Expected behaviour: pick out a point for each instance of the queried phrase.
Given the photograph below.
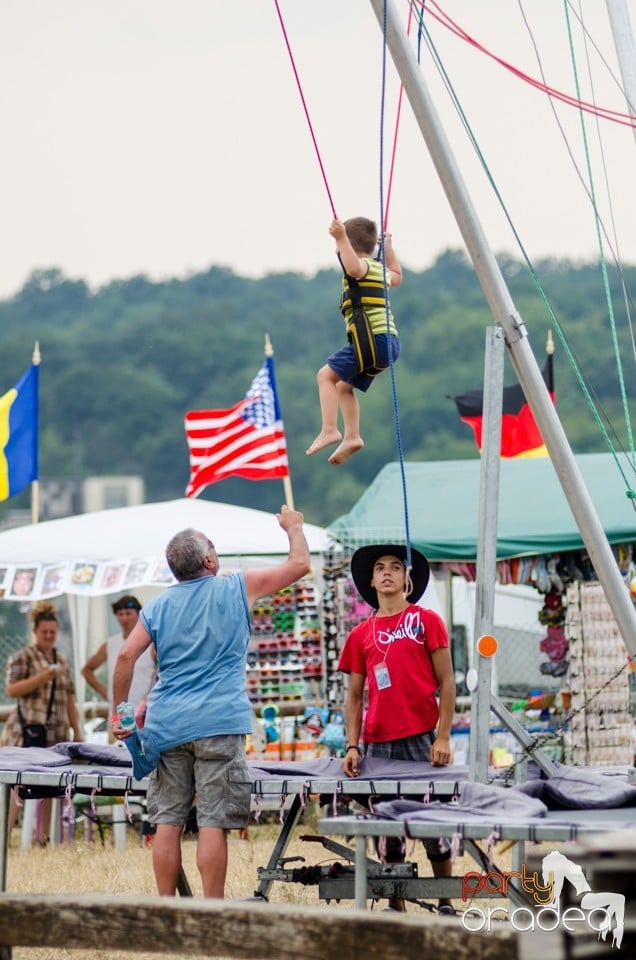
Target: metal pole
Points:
(5, 805)
(287, 485)
(486, 550)
(360, 878)
(625, 50)
(506, 316)
(35, 484)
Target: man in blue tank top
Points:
(199, 712)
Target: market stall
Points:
(539, 546)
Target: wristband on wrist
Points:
(352, 746)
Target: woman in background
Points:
(31, 672)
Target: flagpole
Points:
(287, 487)
(35, 484)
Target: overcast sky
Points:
(164, 137)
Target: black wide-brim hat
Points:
(363, 561)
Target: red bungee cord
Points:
(302, 97)
(311, 129)
(625, 119)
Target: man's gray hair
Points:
(185, 554)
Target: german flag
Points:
(520, 435)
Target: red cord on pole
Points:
(616, 116)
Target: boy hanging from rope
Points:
(371, 332)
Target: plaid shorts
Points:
(345, 363)
(416, 747)
(214, 770)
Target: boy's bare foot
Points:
(346, 449)
(324, 439)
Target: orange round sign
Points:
(487, 645)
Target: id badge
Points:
(382, 677)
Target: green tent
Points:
(442, 504)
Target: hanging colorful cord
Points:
(434, 10)
(603, 262)
(302, 97)
(593, 401)
(383, 221)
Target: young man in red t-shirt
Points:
(402, 654)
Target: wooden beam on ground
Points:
(258, 931)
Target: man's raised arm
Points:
(260, 583)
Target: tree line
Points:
(123, 363)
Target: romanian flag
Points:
(520, 435)
(19, 434)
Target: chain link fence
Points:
(518, 631)
(9, 643)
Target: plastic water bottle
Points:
(126, 715)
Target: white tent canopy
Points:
(102, 552)
(143, 531)
(115, 551)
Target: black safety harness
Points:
(359, 332)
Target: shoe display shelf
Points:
(600, 725)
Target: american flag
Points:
(248, 440)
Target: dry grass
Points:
(91, 868)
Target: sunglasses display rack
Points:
(285, 661)
(342, 609)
